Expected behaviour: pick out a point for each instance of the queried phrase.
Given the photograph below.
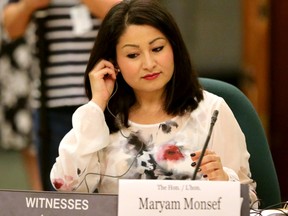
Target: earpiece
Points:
(116, 67)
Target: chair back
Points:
(261, 162)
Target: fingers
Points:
(104, 69)
(211, 165)
(197, 154)
(102, 80)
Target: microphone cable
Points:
(276, 207)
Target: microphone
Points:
(213, 120)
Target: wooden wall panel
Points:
(279, 91)
(256, 28)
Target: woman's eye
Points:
(158, 49)
(132, 55)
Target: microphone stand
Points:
(213, 120)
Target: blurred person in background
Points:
(65, 31)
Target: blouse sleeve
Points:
(230, 144)
(77, 165)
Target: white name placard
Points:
(178, 197)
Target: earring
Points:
(117, 70)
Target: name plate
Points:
(44, 203)
(31, 203)
(175, 197)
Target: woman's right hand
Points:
(102, 80)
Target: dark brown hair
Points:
(183, 91)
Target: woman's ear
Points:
(116, 67)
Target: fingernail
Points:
(192, 154)
(193, 164)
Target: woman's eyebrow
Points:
(130, 45)
(137, 46)
(158, 38)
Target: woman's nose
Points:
(149, 62)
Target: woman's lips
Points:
(151, 76)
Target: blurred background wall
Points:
(243, 42)
(213, 33)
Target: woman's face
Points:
(145, 58)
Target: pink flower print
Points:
(172, 153)
(58, 183)
(66, 184)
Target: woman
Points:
(147, 117)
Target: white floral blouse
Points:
(91, 159)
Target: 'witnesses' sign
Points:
(30, 203)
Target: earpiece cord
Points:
(130, 166)
(110, 176)
(116, 88)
